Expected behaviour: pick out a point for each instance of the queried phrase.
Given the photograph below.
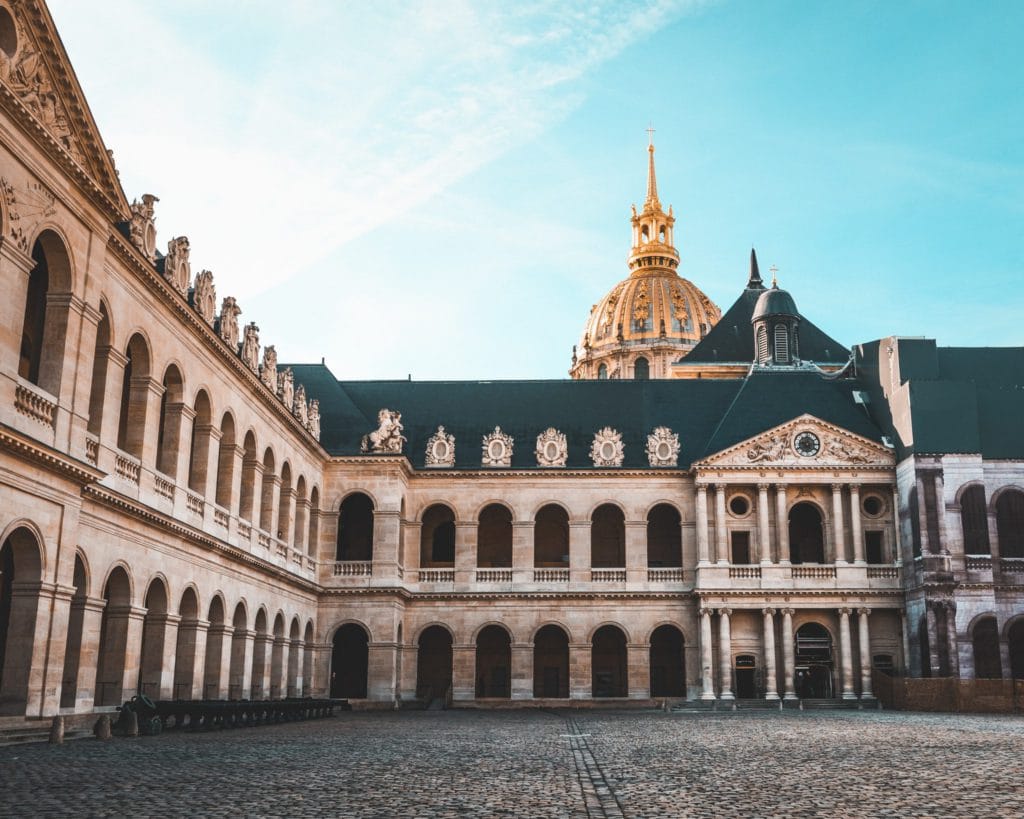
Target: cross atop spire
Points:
(652, 182)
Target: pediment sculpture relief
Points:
(299, 408)
(552, 449)
(314, 419)
(663, 447)
(177, 269)
(497, 449)
(204, 297)
(440, 449)
(607, 448)
(143, 226)
(286, 387)
(268, 370)
(387, 438)
(251, 346)
(227, 326)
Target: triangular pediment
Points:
(805, 442)
(39, 88)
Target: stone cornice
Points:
(29, 449)
(483, 472)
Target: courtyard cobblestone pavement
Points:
(539, 764)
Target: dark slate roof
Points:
(770, 398)
(732, 338)
(707, 414)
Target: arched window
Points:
(602, 372)
(250, 463)
(202, 426)
(226, 462)
(987, 665)
(437, 537)
(781, 335)
(45, 321)
(641, 369)
(551, 538)
(1010, 523)
(350, 662)
(551, 663)
(494, 537)
(355, 528)
(131, 425)
(169, 432)
(974, 519)
(664, 537)
(301, 508)
(763, 353)
(98, 386)
(609, 663)
(313, 539)
(806, 536)
(607, 537)
(284, 509)
(267, 491)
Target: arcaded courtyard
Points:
(536, 764)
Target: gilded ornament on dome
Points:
(663, 447)
(679, 303)
(641, 303)
(440, 449)
(497, 449)
(607, 448)
(552, 448)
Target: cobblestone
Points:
(539, 764)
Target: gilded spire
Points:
(652, 182)
(653, 240)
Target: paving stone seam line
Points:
(599, 796)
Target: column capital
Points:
(854, 487)
(702, 488)
(724, 612)
(781, 487)
(768, 611)
(844, 612)
(864, 612)
(721, 487)
(706, 611)
(763, 487)
(837, 487)
(787, 612)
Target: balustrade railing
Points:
(221, 516)
(815, 572)
(437, 575)
(883, 572)
(979, 563)
(244, 529)
(665, 575)
(263, 539)
(744, 572)
(194, 502)
(92, 449)
(127, 467)
(493, 575)
(164, 487)
(1012, 565)
(607, 575)
(35, 406)
(550, 575)
(353, 568)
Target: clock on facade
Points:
(806, 444)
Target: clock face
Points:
(807, 444)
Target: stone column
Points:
(865, 654)
(465, 552)
(897, 557)
(212, 434)
(782, 523)
(933, 640)
(522, 551)
(237, 455)
(855, 525)
(951, 636)
(764, 541)
(270, 508)
(940, 514)
(88, 657)
(922, 514)
(173, 457)
(993, 538)
(580, 671)
(703, 558)
(387, 535)
(463, 672)
(905, 639)
(579, 552)
(245, 643)
(839, 548)
(168, 636)
(218, 689)
(151, 391)
(522, 671)
(788, 655)
(407, 683)
(707, 677)
(116, 362)
(262, 649)
(721, 535)
(381, 668)
(1004, 658)
(636, 551)
(725, 654)
(17, 269)
(846, 650)
(770, 682)
(283, 530)
(280, 684)
(638, 665)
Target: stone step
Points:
(20, 736)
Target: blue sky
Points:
(444, 189)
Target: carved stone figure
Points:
(440, 449)
(143, 226)
(228, 325)
(299, 408)
(286, 387)
(841, 450)
(497, 448)
(663, 447)
(607, 448)
(314, 418)
(17, 233)
(387, 438)
(552, 449)
(251, 346)
(268, 370)
(771, 449)
(177, 269)
(204, 297)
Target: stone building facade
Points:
(182, 515)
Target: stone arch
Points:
(294, 657)
(493, 502)
(100, 366)
(814, 676)
(259, 688)
(168, 439)
(551, 661)
(301, 511)
(278, 681)
(609, 661)
(154, 632)
(434, 663)
(493, 661)
(250, 466)
(202, 436)
(608, 536)
(73, 644)
(45, 319)
(114, 676)
(308, 639)
(1009, 507)
(285, 503)
(135, 378)
(313, 537)
(21, 570)
(551, 537)
(437, 536)
(215, 667)
(545, 504)
(974, 518)
(806, 533)
(422, 629)
(667, 661)
(350, 660)
(984, 633)
(226, 462)
(266, 521)
(664, 536)
(236, 668)
(494, 536)
(355, 527)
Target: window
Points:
(602, 372)
(974, 519)
(873, 506)
(741, 547)
(781, 344)
(641, 369)
(873, 542)
(762, 344)
(739, 505)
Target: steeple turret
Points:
(754, 282)
(653, 240)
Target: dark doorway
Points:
(493, 663)
(551, 663)
(350, 662)
(746, 677)
(664, 537)
(355, 528)
(1016, 640)
(987, 665)
(434, 664)
(740, 548)
(813, 677)
(668, 667)
(437, 538)
(806, 536)
(608, 663)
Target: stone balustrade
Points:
(35, 405)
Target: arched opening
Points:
(493, 663)
(277, 669)
(437, 537)
(355, 528)
(668, 666)
(46, 316)
(987, 665)
(806, 534)
(19, 564)
(154, 632)
(110, 672)
(641, 369)
(199, 459)
(313, 539)
(258, 690)
(73, 646)
(185, 647)
(551, 538)
(284, 507)
(781, 338)
(236, 669)
(294, 659)
(214, 687)
(267, 491)
(763, 353)
(1015, 638)
(301, 512)
(609, 663)
(551, 663)
(602, 372)
(1010, 523)
(169, 432)
(434, 665)
(607, 537)
(250, 464)
(814, 662)
(131, 423)
(98, 384)
(974, 520)
(226, 462)
(664, 536)
(924, 647)
(307, 659)
(494, 537)
(914, 512)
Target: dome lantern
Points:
(776, 328)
